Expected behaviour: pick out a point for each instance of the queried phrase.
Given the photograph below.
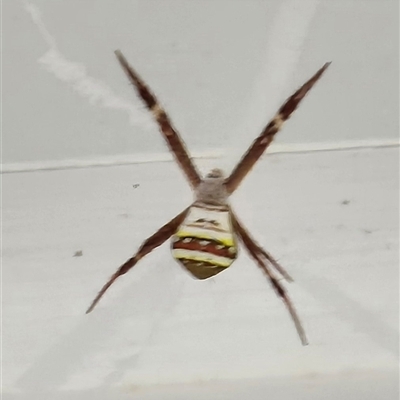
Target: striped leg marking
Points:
(171, 136)
(252, 248)
(267, 135)
(157, 239)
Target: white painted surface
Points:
(331, 218)
(220, 68)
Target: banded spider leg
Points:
(174, 141)
(261, 143)
(155, 240)
(258, 254)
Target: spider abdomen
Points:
(205, 243)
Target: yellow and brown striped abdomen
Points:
(205, 244)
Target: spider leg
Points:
(267, 135)
(157, 239)
(279, 289)
(250, 242)
(171, 136)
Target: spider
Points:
(204, 235)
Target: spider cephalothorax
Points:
(212, 190)
(204, 235)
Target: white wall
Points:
(220, 68)
(157, 325)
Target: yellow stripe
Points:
(227, 241)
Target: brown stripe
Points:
(202, 270)
(210, 248)
(208, 227)
(204, 206)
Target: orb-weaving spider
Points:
(204, 234)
